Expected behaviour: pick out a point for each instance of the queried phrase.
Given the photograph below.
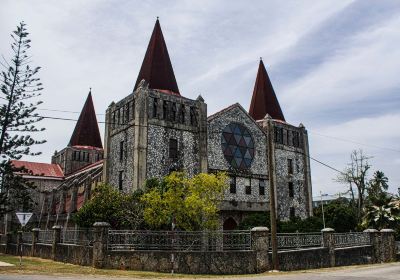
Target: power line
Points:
(64, 111)
(355, 142)
(316, 160)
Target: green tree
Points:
(121, 211)
(19, 89)
(339, 215)
(383, 211)
(191, 203)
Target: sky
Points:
(334, 65)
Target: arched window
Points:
(229, 224)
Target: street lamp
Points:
(322, 205)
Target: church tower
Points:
(290, 152)
(154, 130)
(85, 146)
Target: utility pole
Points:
(272, 188)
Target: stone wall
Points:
(185, 262)
(354, 255)
(255, 260)
(303, 259)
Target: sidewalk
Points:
(5, 264)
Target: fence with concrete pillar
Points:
(219, 252)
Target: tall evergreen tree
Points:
(19, 87)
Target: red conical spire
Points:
(264, 100)
(86, 132)
(156, 67)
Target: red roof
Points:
(86, 132)
(156, 67)
(40, 169)
(264, 100)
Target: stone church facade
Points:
(156, 130)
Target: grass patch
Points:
(48, 267)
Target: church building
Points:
(157, 129)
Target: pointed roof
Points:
(156, 67)
(86, 132)
(264, 100)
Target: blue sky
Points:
(334, 65)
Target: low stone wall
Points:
(378, 247)
(303, 259)
(75, 254)
(43, 251)
(239, 262)
(354, 255)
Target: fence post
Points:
(388, 245)
(375, 242)
(56, 240)
(8, 242)
(259, 244)
(329, 242)
(100, 243)
(35, 237)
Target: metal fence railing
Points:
(298, 240)
(179, 240)
(77, 237)
(45, 236)
(351, 239)
(3, 239)
(27, 237)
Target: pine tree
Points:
(19, 89)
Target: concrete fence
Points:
(97, 248)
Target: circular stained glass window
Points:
(237, 146)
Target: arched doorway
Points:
(230, 224)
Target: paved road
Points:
(374, 272)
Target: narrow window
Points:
(119, 116)
(182, 117)
(120, 180)
(278, 135)
(193, 120)
(121, 150)
(97, 157)
(155, 105)
(173, 112)
(232, 186)
(173, 148)
(261, 187)
(290, 166)
(127, 113)
(287, 137)
(296, 139)
(292, 213)
(291, 190)
(113, 120)
(165, 110)
(87, 157)
(79, 156)
(247, 183)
